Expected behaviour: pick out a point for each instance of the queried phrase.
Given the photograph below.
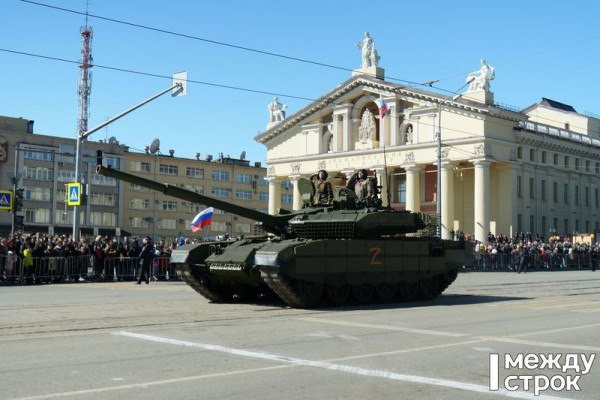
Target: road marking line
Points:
(384, 327)
(570, 328)
(540, 344)
(341, 368)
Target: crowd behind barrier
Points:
(42, 258)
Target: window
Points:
(286, 184)
(62, 217)
(138, 222)
(543, 225)
(587, 165)
(103, 218)
(556, 159)
(567, 126)
(262, 181)
(103, 199)
(242, 228)
(112, 162)
(193, 172)
(519, 190)
(243, 194)
(38, 155)
(531, 188)
(287, 199)
(532, 224)
(263, 196)
(555, 193)
(38, 173)
(402, 191)
(167, 223)
(587, 197)
(218, 226)
(576, 195)
(577, 164)
(576, 225)
(243, 178)
(566, 226)
(38, 194)
(220, 192)
(587, 226)
(220, 175)
(597, 168)
(38, 215)
(195, 188)
(519, 152)
(138, 188)
(519, 223)
(555, 226)
(566, 194)
(596, 197)
(168, 205)
(65, 175)
(192, 207)
(532, 155)
(543, 157)
(543, 183)
(140, 166)
(139, 204)
(167, 169)
(102, 180)
(566, 161)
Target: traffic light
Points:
(18, 201)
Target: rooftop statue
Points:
(370, 58)
(480, 79)
(276, 110)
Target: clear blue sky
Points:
(538, 48)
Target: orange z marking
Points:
(375, 251)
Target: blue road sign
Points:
(73, 194)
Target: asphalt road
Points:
(158, 341)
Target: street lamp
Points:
(439, 157)
(178, 88)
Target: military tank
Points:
(344, 253)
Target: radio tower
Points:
(84, 89)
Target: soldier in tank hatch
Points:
(361, 184)
(324, 190)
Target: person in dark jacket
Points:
(524, 261)
(146, 255)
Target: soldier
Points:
(362, 185)
(324, 190)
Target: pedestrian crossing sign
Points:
(6, 198)
(73, 194)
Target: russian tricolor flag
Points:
(203, 219)
(383, 108)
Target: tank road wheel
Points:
(428, 288)
(363, 293)
(386, 291)
(309, 293)
(408, 291)
(338, 294)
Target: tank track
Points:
(198, 282)
(284, 288)
(281, 286)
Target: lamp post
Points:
(439, 157)
(178, 87)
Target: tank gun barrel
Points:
(271, 223)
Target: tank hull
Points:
(312, 273)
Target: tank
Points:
(345, 253)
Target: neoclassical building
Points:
(502, 171)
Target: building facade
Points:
(147, 212)
(42, 166)
(502, 170)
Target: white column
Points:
(346, 130)
(482, 198)
(394, 124)
(447, 199)
(335, 131)
(413, 189)
(383, 123)
(274, 195)
(297, 201)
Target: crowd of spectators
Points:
(526, 250)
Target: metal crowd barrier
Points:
(15, 269)
(537, 261)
